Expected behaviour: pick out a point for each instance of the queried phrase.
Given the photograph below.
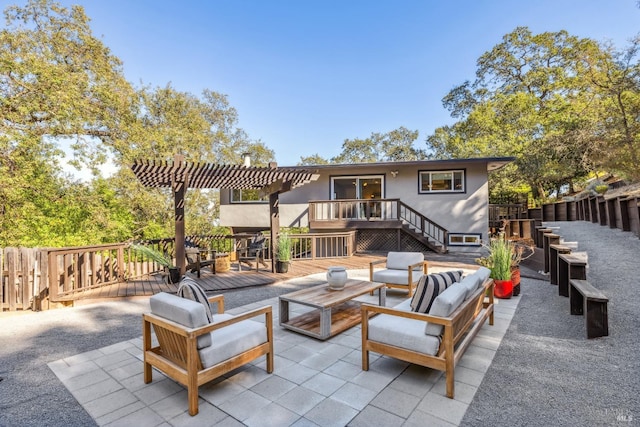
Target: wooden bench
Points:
(571, 266)
(548, 239)
(554, 251)
(586, 300)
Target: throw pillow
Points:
(191, 290)
(430, 286)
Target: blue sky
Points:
(305, 75)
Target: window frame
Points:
(234, 201)
(430, 172)
(477, 236)
(357, 179)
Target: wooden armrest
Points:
(380, 261)
(406, 314)
(422, 264)
(218, 299)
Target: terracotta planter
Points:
(515, 278)
(503, 289)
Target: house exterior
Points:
(439, 205)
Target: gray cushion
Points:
(445, 304)
(402, 260)
(470, 283)
(483, 274)
(188, 313)
(396, 277)
(430, 286)
(191, 290)
(403, 333)
(232, 340)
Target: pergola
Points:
(180, 175)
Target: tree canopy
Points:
(394, 146)
(62, 90)
(563, 106)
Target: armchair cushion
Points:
(402, 332)
(430, 286)
(232, 340)
(186, 312)
(397, 277)
(402, 260)
(189, 289)
(445, 304)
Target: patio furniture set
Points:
(193, 345)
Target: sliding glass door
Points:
(367, 189)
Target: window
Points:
(442, 181)
(464, 239)
(248, 196)
(357, 187)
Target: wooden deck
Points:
(232, 279)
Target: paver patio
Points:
(314, 383)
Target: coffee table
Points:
(333, 311)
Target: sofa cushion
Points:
(187, 313)
(430, 286)
(470, 283)
(483, 274)
(445, 304)
(474, 281)
(189, 289)
(232, 340)
(402, 260)
(402, 332)
(396, 277)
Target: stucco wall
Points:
(457, 212)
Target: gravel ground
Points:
(546, 373)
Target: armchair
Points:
(193, 351)
(403, 270)
(252, 251)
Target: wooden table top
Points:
(322, 296)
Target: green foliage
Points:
(561, 105)
(314, 159)
(500, 257)
(283, 252)
(61, 87)
(396, 145)
(154, 255)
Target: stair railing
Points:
(422, 225)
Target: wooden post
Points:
(274, 225)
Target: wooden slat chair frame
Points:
(410, 269)
(177, 353)
(253, 252)
(459, 330)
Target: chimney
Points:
(247, 160)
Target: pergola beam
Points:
(180, 175)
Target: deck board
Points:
(232, 279)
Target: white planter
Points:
(336, 277)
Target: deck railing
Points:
(377, 210)
(30, 275)
(353, 210)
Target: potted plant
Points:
(283, 253)
(160, 258)
(522, 248)
(500, 259)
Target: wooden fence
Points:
(621, 212)
(42, 278)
